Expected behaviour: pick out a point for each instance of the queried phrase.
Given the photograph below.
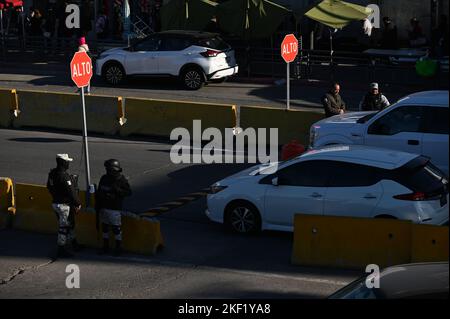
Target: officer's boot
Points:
(105, 248)
(118, 249)
(63, 253)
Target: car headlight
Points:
(216, 188)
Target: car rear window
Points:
(425, 178)
(215, 43)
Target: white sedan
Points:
(356, 181)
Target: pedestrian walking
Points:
(333, 102)
(374, 100)
(112, 190)
(65, 202)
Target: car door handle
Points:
(369, 196)
(413, 142)
(316, 195)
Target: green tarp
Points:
(250, 19)
(337, 14)
(187, 14)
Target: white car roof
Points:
(358, 154)
(435, 98)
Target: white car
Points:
(344, 180)
(416, 124)
(193, 57)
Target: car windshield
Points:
(356, 290)
(366, 118)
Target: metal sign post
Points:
(288, 82)
(81, 73)
(85, 142)
(289, 51)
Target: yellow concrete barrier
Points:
(346, 242)
(34, 213)
(293, 124)
(5, 108)
(350, 242)
(7, 202)
(64, 111)
(429, 243)
(159, 117)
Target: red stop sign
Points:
(289, 48)
(81, 69)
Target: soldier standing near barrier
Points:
(112, 189)
(66, 203)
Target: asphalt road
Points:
(269, 92)
(199, 260)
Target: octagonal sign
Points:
(289, 48)
(81, 69)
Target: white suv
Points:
(416, 124)
(194, 57)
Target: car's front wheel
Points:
(242, 217)
(192, 79)
(113, 73)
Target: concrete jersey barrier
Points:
(35, 213)
(347, 242)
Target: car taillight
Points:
(210, 53)
(416, 196)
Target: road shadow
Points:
(151, 192)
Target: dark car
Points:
(411, 281)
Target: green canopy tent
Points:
(336, 15)
(187, 14)
(250, 19)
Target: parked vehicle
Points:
(193, 57)
(411, 281)
(356, 181)
(416, 124)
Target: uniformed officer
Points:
(332, 101)
(374, 100)
(112, 190)
(66, 203)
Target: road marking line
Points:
(173, 204)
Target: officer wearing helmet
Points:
(112, 189)
(66, 203)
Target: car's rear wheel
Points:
(114, 74)
(193, 79)
(242, 217)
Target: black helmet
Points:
(113, 165)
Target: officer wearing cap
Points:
(374, 100)
(66, 203)
(112, 190)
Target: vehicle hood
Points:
(112, 51)
(254, 172)
(347, 118)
